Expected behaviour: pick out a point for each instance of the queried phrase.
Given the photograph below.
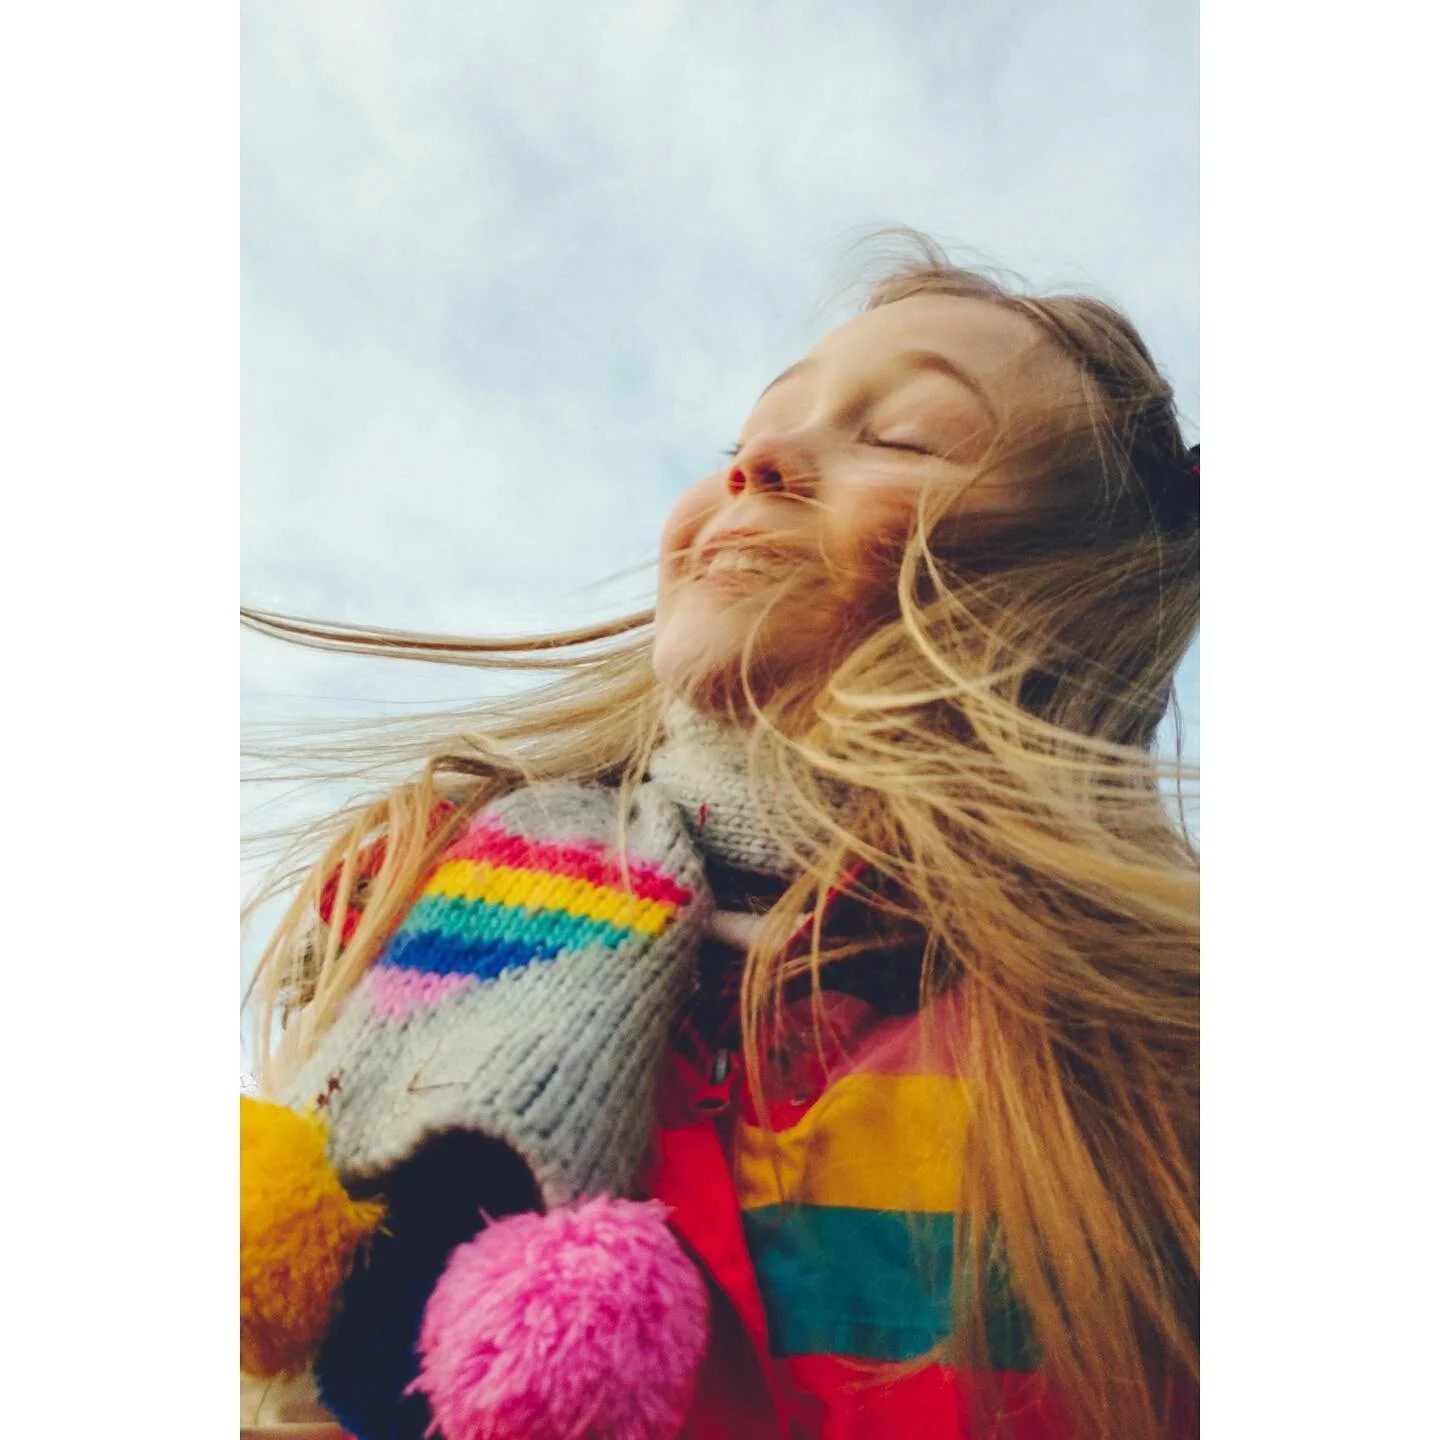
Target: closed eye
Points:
(907, 445)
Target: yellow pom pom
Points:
(299, 1231)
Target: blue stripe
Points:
(871, 1284)
(464, 937)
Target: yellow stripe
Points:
(534, 889)
(871, 1142)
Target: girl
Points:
(906, 1041)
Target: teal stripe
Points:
(872, 1284)
(472, 922)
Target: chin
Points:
(712, 684)
(698, 680)
(699, 669)
(697, 653)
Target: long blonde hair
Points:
(997, 727)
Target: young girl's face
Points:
(791, 538)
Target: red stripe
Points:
(831, 1398)
(367, 866)
(907, 1044)
(589, 860)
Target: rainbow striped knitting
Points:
(500, 901)
(526, 996)
(502, 1056)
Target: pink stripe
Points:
(397, 992)
(578, 859)
(861, 1042)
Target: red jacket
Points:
(793, 1350)
(827, 1240)
(827, 1237)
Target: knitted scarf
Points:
(528, 994)
(500, 1058)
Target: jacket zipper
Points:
(715, 1093)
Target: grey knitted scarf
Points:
(528, 994)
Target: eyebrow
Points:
(921, 360)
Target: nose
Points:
(755, 478)
(764, 466)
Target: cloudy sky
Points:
(513, 275)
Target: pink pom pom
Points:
(584, 1324)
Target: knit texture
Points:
(501, 1056)
(432, 1201)
(703, 769)
(526, 996)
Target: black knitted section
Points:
(433, 1203)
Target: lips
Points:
(737, 567)
(739, 554)
(730, 563)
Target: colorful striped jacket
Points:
(827, 1237)
(827, 1234)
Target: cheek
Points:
(684, 523)
(868, 525)
(687, 518)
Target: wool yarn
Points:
(299, 1230)
(524, 1002)
(590, 1321)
